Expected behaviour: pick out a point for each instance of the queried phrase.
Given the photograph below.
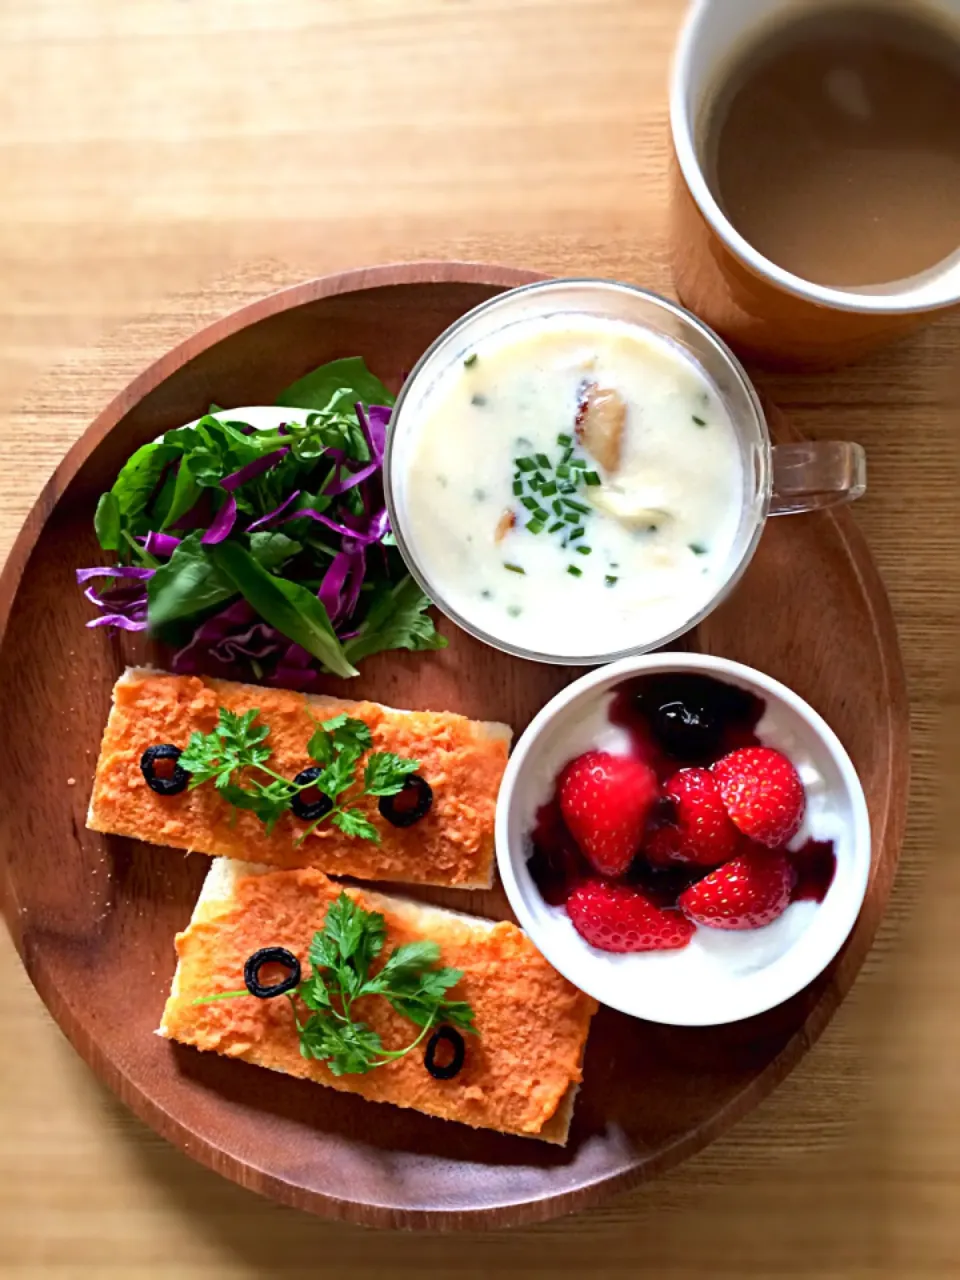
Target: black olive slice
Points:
(456, 1041)
(271, 955)
(175, 781)
(409, 805)
(310, 810)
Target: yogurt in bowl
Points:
(704, 975)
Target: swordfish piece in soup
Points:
(573, 486)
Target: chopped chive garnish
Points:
(478, 400)
(479, 495)
(486, 595)
(567, 455)
(530, 503)
(549, 489)
(568, 488)
(576, 506)
(517, 487)
(554, 527)
(513, 568)
(571, 517)
(563, 440)
(535, 481)
(563, 471)
(543, 461)
(613, 565)
(471, 360)
(579, 463)
(699, 421)
(514, 611)
(524, 443)
(525, 464)
(576, 533)
(535, 525)
(591, 478)
(574, 571)
(557, 506)
(583, 550)
(543, 515)
(610, 580)
(698, 549)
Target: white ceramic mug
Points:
(764, 311)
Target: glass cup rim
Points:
(764, 482)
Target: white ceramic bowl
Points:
(720, 976)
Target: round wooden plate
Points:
(94, 918)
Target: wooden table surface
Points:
(165, 161)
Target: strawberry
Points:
(762, 793)
(615, 917)
(664, 847)
(605, 801)
(706, 835)
(748, 892)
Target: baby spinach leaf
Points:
(291, 608)
(317, 389)
(106, 522)
(396, 619)
(187, 585)
(135, 485)
(185, 496)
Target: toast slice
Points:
(521, 1071)
(463, 761)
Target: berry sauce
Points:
(815, 865)
(675, 721)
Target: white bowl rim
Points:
(582, 690)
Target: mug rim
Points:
(681, 129)
(764, 480)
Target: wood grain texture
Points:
(167, 162)
(75, 900)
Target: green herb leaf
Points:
(107, 523)
(354, 822)
(386, 773)
(184, 496)
(342, 954)
(396, 618)
(291, 608)
(318, 389)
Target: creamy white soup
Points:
(573, 486)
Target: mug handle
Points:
(811, 475)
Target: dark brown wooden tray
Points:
(93, 918)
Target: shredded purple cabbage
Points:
(232, 633)
(253, 469)
(272, 515)
(124, 605)
(223, 523)
(236, 633)
(160, 544)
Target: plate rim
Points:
(888, 835)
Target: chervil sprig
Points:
(234, 758)
(341, 955)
